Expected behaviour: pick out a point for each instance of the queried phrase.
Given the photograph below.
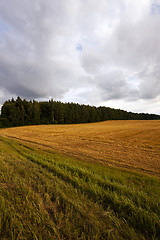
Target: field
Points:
(88, 181)
(133, 145)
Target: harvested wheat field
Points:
(134, 145)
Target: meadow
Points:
(87, 181)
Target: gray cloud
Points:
(133, 50)
(81, 51)
(38, 54)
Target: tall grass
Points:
(44, 195)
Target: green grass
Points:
(44, 195)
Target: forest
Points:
(22, 112)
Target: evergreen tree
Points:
(21, 112)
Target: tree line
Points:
(22, 112)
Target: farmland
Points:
(86, 181)
(133, 145)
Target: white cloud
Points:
(78, 50)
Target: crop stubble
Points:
(129, 144)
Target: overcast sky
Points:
(104, 52)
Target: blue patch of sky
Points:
(4, 28)
(131, 78)
(79, 47)
(155, 9)
(133, 81)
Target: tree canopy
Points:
(22, 112)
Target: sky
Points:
(101, 53)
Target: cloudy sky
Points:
(104, 52)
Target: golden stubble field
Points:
(134, 145)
